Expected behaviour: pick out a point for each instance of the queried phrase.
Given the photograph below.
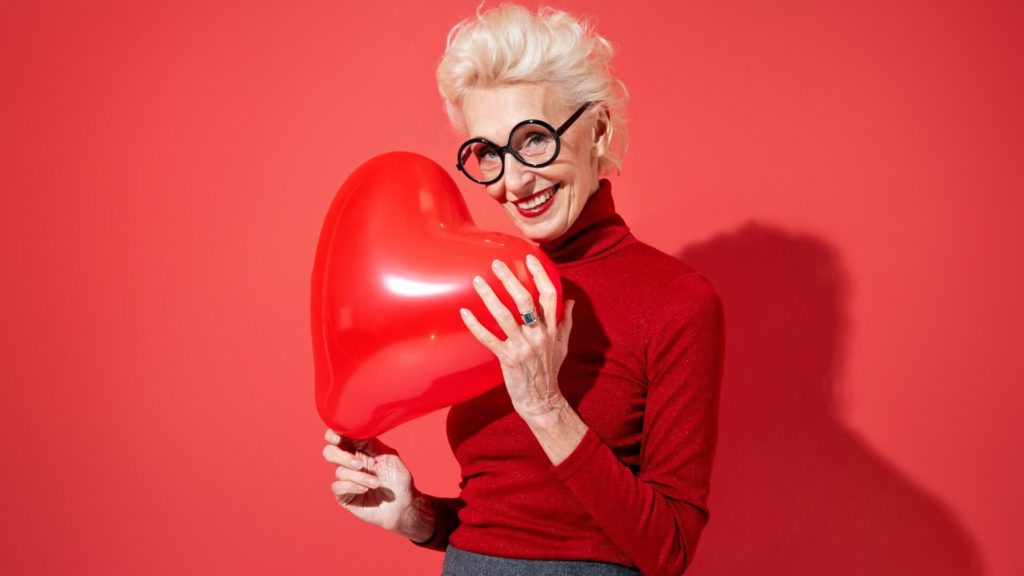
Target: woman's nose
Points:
(517, 175)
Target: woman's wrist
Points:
(420, 520)
(559, 432)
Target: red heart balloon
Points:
(396, 258)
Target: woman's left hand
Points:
(532, 354)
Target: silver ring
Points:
(529, 319)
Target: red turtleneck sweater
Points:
(643, 371)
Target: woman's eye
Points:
(535, 144)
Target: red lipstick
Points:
(535, 211)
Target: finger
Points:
(332, 437)
(566, 327)
(520, 295)
(360, 478)
(345, 492)
(482, 334)
(508, 322)
(336, 455)
(368, 449)
(546, 288)
(347, 487)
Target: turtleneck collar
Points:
(596, 230)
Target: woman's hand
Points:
(532, 354)
(374, 485)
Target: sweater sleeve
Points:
(446, 520)
(656, 516)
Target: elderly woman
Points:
(595, 456)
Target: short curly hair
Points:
(509, 44)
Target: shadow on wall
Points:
(794, 491)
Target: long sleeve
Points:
(446, 520)
(656, 517)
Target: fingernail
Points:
(478, 281)
(498, 265)
(531, 260)
(374, 482)
(463, 311)
(357, 464)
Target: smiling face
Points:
(543, 202)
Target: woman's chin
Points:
(540, 229)
(539, 232)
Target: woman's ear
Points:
(602, 133)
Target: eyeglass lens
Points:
(533, 144)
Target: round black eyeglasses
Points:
(533, 142)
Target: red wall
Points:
(846, 173)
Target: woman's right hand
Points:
(374, 485)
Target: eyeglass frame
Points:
(507, 148)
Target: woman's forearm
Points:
(559, 432)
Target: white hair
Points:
(509, 45)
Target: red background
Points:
(846, 173)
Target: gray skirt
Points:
(458, 562)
